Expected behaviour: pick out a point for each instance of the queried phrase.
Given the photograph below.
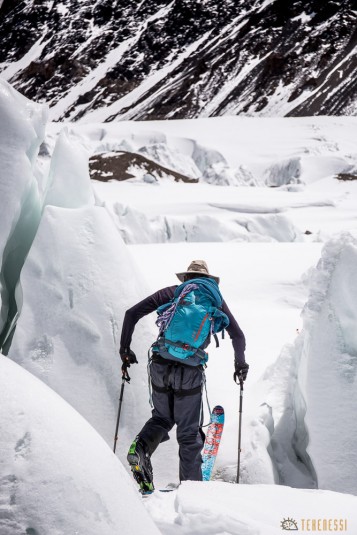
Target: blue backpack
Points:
(188, 319)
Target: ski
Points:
(212, 442)
(146, 493)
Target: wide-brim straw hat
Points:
(200, 268)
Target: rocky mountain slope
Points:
(105, 60)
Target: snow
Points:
(172, 213)
(68, 181)
(33, 53)
(91, 80)
(73, 346)
(62, 9)
(100, 247)
(285, 172)
(304, 17)
(164, 155)
(230, 84)
(255, 143)
(330, 344)
(57, 474)
(309, 93)
(117, 108)
(22, 130)
(221, 508)
(265, 3)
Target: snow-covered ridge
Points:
(162, 59)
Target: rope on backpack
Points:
(164, 320)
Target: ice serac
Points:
(311, 389)
(69, 185)
(77, 282)
(22, 130)
(57, 475)
(328, 369)
(136, 227)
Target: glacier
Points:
(75, 276)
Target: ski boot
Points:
(140, 465)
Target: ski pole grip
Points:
(124, 373)
(240, 379)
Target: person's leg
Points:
(156, 429)
(188, 415)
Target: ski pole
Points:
(125, 379)
(240, 423)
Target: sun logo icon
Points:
(289, 524)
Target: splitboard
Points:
(212, 442)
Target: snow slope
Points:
(220, 508)
(57, 474)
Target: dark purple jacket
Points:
(165, 295)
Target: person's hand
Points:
(241, 371)
(128, 357)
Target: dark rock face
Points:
(158, 59)
(346, 177)
(119, 166)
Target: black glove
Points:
(241, 369)
(127, 356)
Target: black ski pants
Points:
(177, 399)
